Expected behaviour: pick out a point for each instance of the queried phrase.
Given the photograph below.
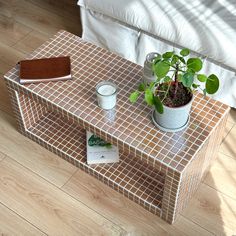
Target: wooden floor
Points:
(40, 194)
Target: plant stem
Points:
(167, 91)
(176, 79)
(161, 91)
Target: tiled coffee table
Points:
(160, 171)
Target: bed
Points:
(134, 28)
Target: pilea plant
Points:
(177, 77)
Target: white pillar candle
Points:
(106, 94)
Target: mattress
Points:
(205, 27)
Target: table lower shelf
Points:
(131, 177)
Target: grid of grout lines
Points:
(31, 111)
(134, 179)
(56, 116)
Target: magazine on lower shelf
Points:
(99, 151)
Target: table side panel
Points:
(198, 168)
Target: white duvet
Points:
(207, 27)
(133, 28)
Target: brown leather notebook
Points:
(45, 69)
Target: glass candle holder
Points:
(106, 94)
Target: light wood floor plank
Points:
(187, 227)
(32, 155)
(4, 66)
(228, 145)
(38, 18)
(232, 115)
(5, 104)
(222, 176)
(2, 156)
(46, 206)
(113, 205)
(65, 8)
(212, 210)
(33, 40)
(229, 126)
(12, 224)
(13, 31)
(9, 56)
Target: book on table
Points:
(99, 151)
(45, 70)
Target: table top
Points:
(128, 124)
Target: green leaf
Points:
(148, 97)
(134, 96)
(194, 64)
(167, 79)
(212, 84)
(184, 52)
(180, 77)
(191, 70)
(195, 85)
(174, 60)
(141, 87)
(187, 79)
(161, 69)
(182, 60)
(158, 105)
(167, 55)
(151, 85)
(202, 78)
(157, 59)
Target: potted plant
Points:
(171, 94)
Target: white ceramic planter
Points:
(174, 118)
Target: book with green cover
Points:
(100, 151)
